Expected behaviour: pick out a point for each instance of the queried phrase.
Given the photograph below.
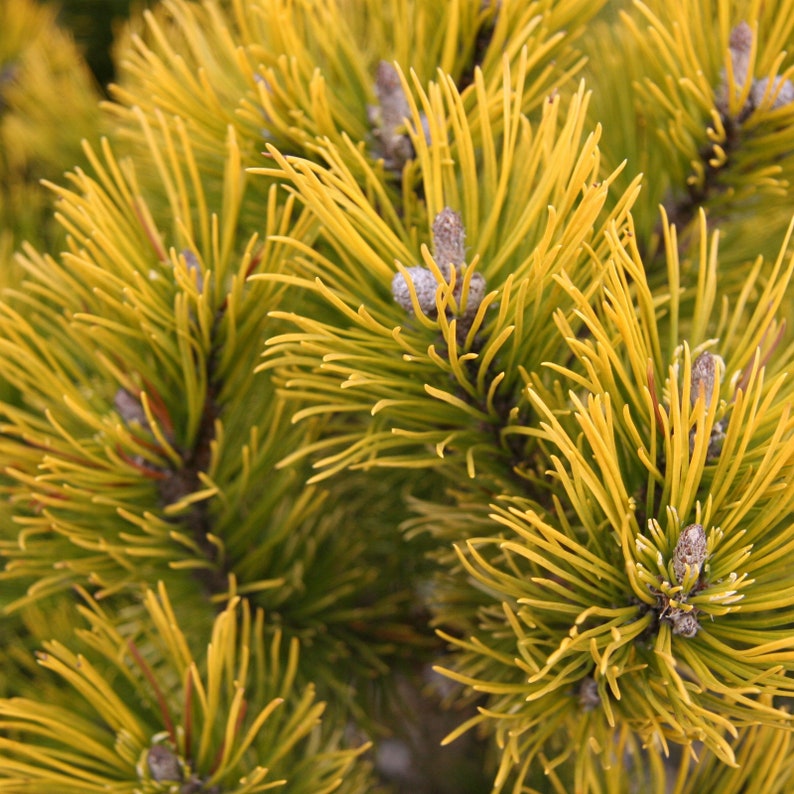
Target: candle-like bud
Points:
(702, 377)
(449, 241)
(690, 551)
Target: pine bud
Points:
(163, 763)
(389, 116)
(449, 251)
(449, 240)
(782, 91)
(588, 694)
(477, 287)
(425, 285)
(393, 104)
(194, 268)
(130, 408)
(685, 623)
(702, 377)
(740, 45)
(689, 551)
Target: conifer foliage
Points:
(412, 376)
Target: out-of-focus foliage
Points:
(95, 25)
(48, 104)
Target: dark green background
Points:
(92, 23)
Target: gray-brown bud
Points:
(689, 551)
(130, 408)
(449, 251)
(389, 116)
(740, 45)
(477, 288)
(449, 240)
(781, 90)
(389, 89)
(425, 285)
(589, 697)
(685, 623)
(702, 378)
(163, 763)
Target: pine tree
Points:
(406, 406)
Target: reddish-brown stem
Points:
(161, 701)
(188, 715)
(159, 409)
(146, 471)
(151, 235)
(237, 726)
